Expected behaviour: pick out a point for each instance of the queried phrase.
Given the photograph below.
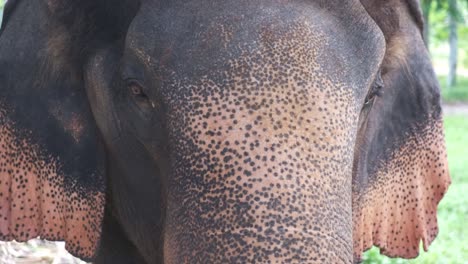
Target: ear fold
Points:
(400, 169)
(51, 160)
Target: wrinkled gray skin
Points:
(256, 132)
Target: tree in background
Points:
(426, 7)
(454, 16)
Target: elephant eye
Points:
(139, 94)
(376, 89)
(136, 89)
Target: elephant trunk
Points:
(262, 200)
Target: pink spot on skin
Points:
(75, 127)
(72, 125)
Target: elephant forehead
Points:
(268, 113)
(282, 39)
(280, 91)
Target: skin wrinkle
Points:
(131, 201)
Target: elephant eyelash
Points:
(376, 90)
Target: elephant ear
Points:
(400, 169)
(51, 159)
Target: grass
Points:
(451, 245)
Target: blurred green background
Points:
(447, 36)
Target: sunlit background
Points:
(447, 32)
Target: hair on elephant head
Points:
(203, 131)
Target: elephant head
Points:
(233, 131)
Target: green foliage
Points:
(451, 245)
(454, 8)
(458, 93)
(439, 11)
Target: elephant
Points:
(203, 131)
